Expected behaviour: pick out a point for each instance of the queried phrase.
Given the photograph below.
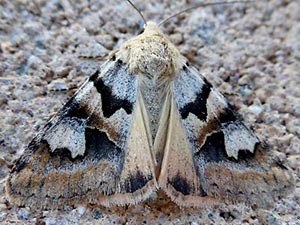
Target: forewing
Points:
(95, 150)
(210, 156)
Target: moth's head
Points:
(151, 53)
(151, 27)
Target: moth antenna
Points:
(130, 2)
(201, 5)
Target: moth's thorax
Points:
(151, 53)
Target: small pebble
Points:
(81, 210)
(97, 214)
(194, 223)
(294, 147)
(51, 221)
(92, 50)
(294, 161)
(3, 99)
(255, 109)
(271, 219)
(23, 213)
(3, 168)
(57, 85)
(87, 67)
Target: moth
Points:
(147, 120)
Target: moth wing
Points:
(95, 150)
(210, 156)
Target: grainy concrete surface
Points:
(250, 51)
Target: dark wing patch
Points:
(228, 115)
(198, 106)
(136, 182)
(180, 184)
(74, 109)
(101, 147)
(110, 102)
(98, 147)
(214, 150)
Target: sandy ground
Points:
(250, 51)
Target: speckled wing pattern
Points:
(147, 120)
(95, 150)
(210, 156)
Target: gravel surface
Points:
(250, 51)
